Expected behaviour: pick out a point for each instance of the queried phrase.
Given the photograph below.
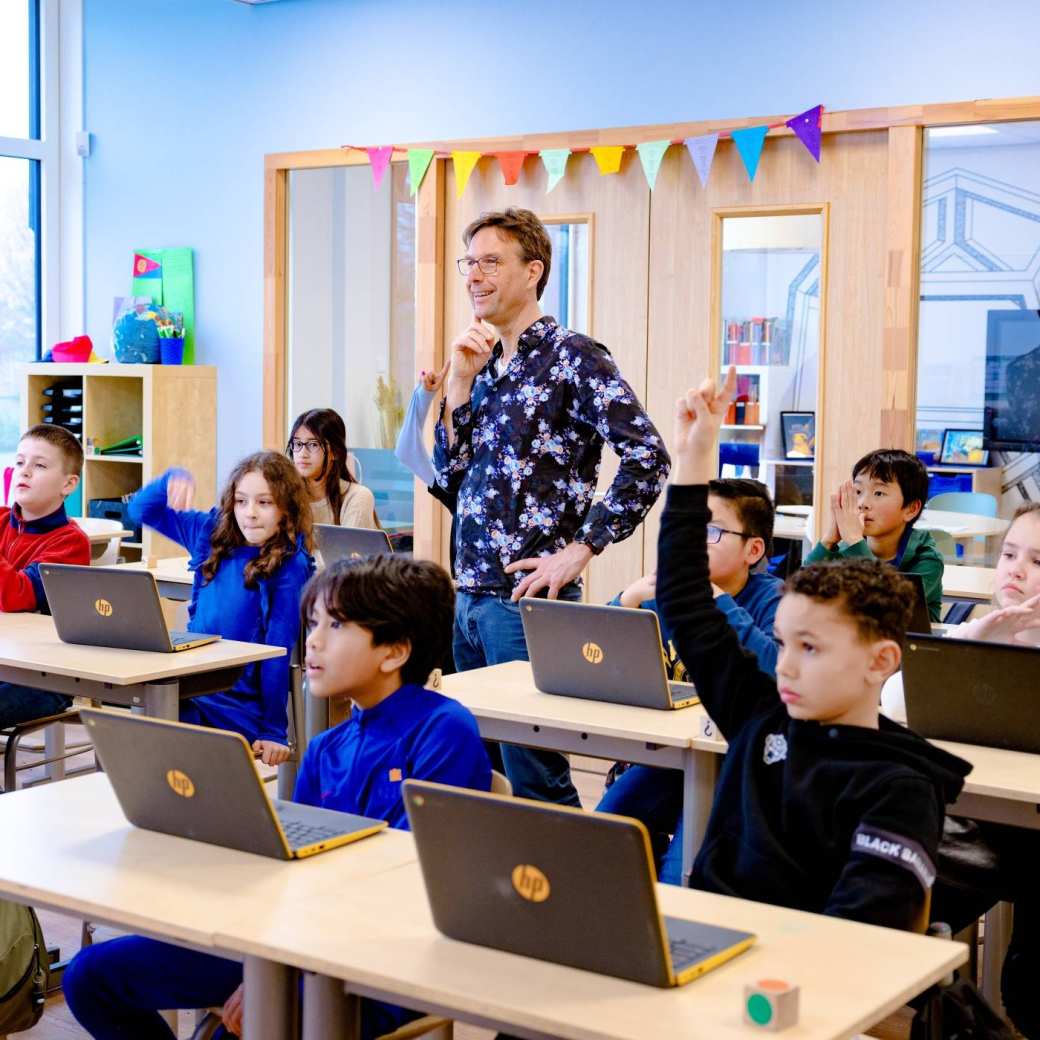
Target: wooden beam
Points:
(276, 221)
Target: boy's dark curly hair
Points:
(873, 594)
(397, 599)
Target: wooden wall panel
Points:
(620, 206)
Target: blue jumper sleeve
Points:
(185, 528)
(759, 640)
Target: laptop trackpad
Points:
(691, 941)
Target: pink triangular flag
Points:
(808, 129)
(702, 152)
(380, 160)
(511, 164)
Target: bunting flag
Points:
(511, 164)
(380, 160)
(807, 127)
(650, 154)
(555, 162)
(608, 157)
(702, 152)
(749, 143)
(464, 163)
(419, 160)
(146, 267)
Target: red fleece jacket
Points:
(24, 544)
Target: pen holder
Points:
(171, 351)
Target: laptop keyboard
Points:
(685, 953)
(299, 834)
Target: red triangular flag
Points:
(144, 266)
(807, 126)
(380, 159)
(511, 164)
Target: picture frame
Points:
(798, 433)
(928, 444)
(963, 448)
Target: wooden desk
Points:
(1003, 786)
(962, 526)
(171, 574)
(508, 707)
(960, 582)
(390, 950)
(31, 654)
(77, 854)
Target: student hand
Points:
(271, 752)
(640, 590)
(550, 572)
(1007, 625)
(432, 380)
(846, 514)
(180, 491)
(698, 416)
(470, 351)
(231, 1012)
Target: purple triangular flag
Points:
(807, 128)
(702, 152)
(380, 159)
(749, 143)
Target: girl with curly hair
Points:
(251, 555)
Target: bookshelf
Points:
(173, 408)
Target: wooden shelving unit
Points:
(173, 408)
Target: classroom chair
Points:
(102, 554)
(976, 502)
(13, 737)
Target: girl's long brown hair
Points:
(331, 432)
(290, 495)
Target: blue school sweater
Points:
(359, 765)
(270, 613)
(750, 614)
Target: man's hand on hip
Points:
(553, 572)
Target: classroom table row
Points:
(356, 920)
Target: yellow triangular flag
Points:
(464, 163)
(608, 157)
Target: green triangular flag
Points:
(651, 153)
(555, 160)
(418, 163)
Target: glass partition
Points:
(770, 329)
(567, 292)
(978, 353)
(351, 317)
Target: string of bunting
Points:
(749, 141)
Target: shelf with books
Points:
(755, 341)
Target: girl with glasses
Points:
(318, 448)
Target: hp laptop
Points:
(200, 783)
(555, 883)
(118, 608)
(972, 692)
(600, 653)
(350, 543)
(920, 620)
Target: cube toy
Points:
(771, 1004)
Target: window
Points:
(21, 162)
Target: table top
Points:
(507, 692)
(394, 948)
(30, 641)
(76, 853)
(171, 568)
(969, 582)
(996, 773)
(962, 525)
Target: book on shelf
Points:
(127, 446)
(754, 341)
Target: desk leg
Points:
(994, 950)
(269, 1004)
(54, 747)
(698, 793)
(161, 700)
(328, 1010)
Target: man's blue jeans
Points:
(23, 703)
(488, 630)
(117, 988)
(653, 796)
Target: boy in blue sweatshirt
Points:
(740, 535)
(376, 629)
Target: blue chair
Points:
(738, 453)
(964, 502)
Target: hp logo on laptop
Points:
(592, 652)
(103, 607)
(530, 883)
(180, 783)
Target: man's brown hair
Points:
(874, 595)
(529, 232)
(65, 442)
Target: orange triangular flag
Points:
(511, 163)
(464, 163)
(608, 157)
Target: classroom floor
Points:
(64, 932)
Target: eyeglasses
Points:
(715, 533)
(304, 447)
(487, 265)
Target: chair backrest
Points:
(106, 554)
(976, 502)
(946, 545)
(500, 783)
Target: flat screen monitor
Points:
(1012, 405)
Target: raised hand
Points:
(180, 491)
(698, 416)
(432, 380)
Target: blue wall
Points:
(184, 97)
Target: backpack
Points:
(24, 968)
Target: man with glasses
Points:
(528, 406)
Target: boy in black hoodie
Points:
(820, 805)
